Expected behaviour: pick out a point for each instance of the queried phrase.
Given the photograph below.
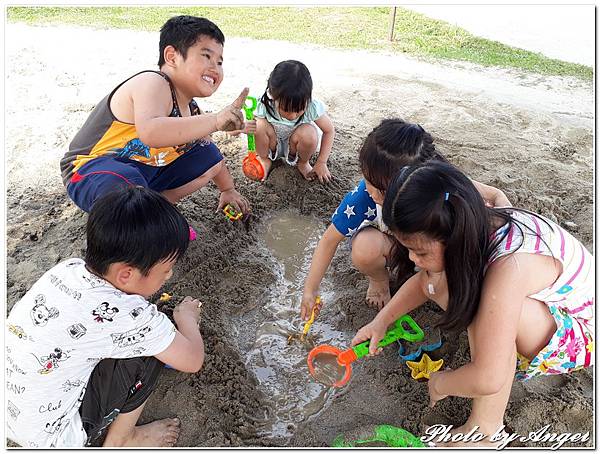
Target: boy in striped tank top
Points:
(520, 284)
(150, 132)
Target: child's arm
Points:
(224, 182)
(186, 352)
(151, 99)
(493, 332)
(492, 196)
(407, 298)
(320, 168)
(320, 262)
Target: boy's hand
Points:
(231, 117)
(322, 172)
(238, 201)
(374, 332)
(188, 308)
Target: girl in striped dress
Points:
(520, 284)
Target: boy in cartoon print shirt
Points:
(74, 342)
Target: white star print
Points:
(371, 212)
(349, 211)
(355, 190)
(351, 231)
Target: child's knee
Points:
(264, 129)
(366, 248)
(210, 173)
(266, 139)
(306, 137)
(214, 170)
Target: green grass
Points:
(338, 27)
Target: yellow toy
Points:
(165, 297)
(308, 324)
(425, 367)
(231, 213)
(315, 311)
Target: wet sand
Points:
(529, 135)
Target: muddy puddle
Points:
(277, 362)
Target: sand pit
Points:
(529, 135)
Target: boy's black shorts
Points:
(116, 386)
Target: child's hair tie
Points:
(446, 196)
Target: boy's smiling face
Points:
(201, 72)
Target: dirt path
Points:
(528, 135)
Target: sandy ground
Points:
(529, 135)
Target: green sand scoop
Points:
(383, 436)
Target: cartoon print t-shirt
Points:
(56, 334)
(356, 211)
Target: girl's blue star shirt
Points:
(357, 210)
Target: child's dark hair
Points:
(137, 226)
(438, 200)
(182, 32)
(392, 145)
(290, 85)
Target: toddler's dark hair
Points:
(392, 145)
(134, 225)
(182, 32)
(290, 85)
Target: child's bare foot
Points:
(306, 170)
(378, 293)
(163, 432)
(266, 163)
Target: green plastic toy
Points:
(347, 357)
(249, 111)
(390, 436)
(392, 335)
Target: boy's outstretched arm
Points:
(320, 262)
(186, 352)
(320, 168)
(152, 102)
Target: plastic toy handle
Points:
(249, 110)
(316, 309)
(417, 333)
(397, 332)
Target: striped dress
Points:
(570, 298)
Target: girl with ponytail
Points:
(522, 286)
